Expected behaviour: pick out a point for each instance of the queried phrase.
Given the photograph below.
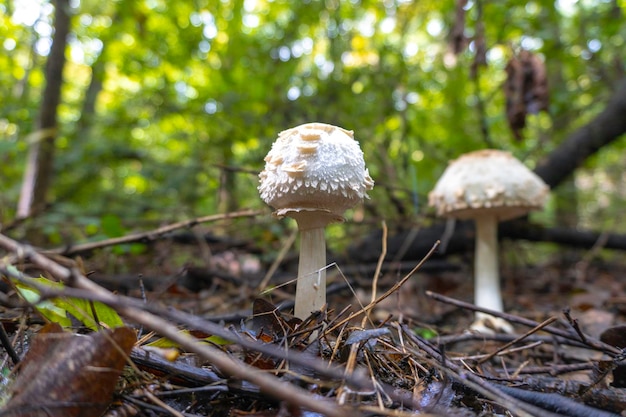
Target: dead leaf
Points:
(526, 89)
(69, 375)
(267, 320)
(268, 326)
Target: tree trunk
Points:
(40, 160)
(565, 197)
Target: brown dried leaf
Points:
(615, 336)
(536, 80)
(69, 375)
(268, 326)
(526, 90)
(514, 93)
(266, 319)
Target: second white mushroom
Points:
(487, 186)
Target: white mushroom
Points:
(487, 186)
(314, 173)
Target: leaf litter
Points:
(349, 361)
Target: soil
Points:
(412, 355)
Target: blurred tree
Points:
(38, 172)
(167, 108)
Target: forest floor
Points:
(396, 346)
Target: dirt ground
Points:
(411, 354)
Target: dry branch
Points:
(604, 129)
(413, 244)
(267, 383)
(151, 235)
(588, 341)
(519, 402)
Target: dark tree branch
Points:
(417, 244)
(608, 126)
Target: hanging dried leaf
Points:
(69, 375)
(514, 93)
(526, 90)
(537, 97)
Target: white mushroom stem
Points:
(486, 273)
(311, 285)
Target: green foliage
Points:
(165, 343)
(425, 333)
(161, 98)
(91, 314)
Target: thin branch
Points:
(269, 384)
(6, 344)
(472, 380)
(152, 234)
(589, 342)
(518, 339)
(390, 291)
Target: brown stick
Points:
(472, 380)
(518, 339)
(589, 342)
(152, 234)
(268, 383)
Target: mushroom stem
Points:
(311, 285)
(486, 274)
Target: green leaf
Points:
(217, 340)
(87, 311)
(47, 308)
(111, 225)
(61, 310)
(425, 333)
(165, 343)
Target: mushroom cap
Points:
(314, 167)
(489, 182)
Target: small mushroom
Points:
(313, 174)
(487, 186)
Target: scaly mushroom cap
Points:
(314, 167)
(487, 181)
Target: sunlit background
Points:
(169, 107)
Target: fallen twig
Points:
(269, 384)
(149, 235)
(556, 403)
(589, 342)
(612, 399)
(473, 381)
(518, 339)
(8, 347)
